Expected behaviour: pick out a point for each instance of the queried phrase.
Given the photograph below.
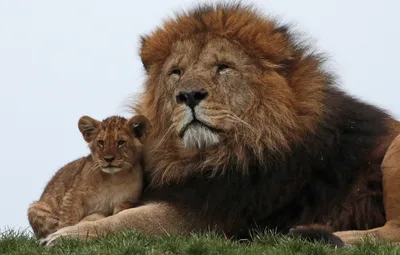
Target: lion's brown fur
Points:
(288, 146)
(295, 98)
(297, 102)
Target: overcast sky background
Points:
(60, 60)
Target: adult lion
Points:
(250, 131)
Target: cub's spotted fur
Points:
(106, 182)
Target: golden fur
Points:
(249, 131)
(91, 187)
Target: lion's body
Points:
(250, 132)
(333, 178)
(81, 189)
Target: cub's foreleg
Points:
(72, 209)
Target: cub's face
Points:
(114, 142)
(206, 90)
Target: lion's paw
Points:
(67, 232)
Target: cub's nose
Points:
(109, 159)
(191, 98)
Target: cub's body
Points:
(104, 183)
(111, 191)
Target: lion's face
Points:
(114, 142)
(225, 86)
(212, 92)
(206, 90)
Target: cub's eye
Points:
(100, 143)
(221, 67)
(176, 71)
(120, 143)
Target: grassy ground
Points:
(129, 243)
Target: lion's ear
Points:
(145, 62)
(140, 126)
(88, 127)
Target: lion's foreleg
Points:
(390, 232)
(152, 219)
(391, 181)
(391, 196)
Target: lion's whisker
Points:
(128, 164)
(171, 127)
(234, 117)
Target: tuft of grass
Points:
(124, 243)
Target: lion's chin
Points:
(111, 170)
(199, 136)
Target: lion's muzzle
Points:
(196, 115)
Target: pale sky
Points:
(60, 60)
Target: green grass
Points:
(12, 242)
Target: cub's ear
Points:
(140, 126)
(88, 127)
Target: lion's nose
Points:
(109, 159)
(191, 98)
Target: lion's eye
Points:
(176, 71)
(120, 143)
(221, 67)
(100, 143)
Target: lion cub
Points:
(106, 182)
